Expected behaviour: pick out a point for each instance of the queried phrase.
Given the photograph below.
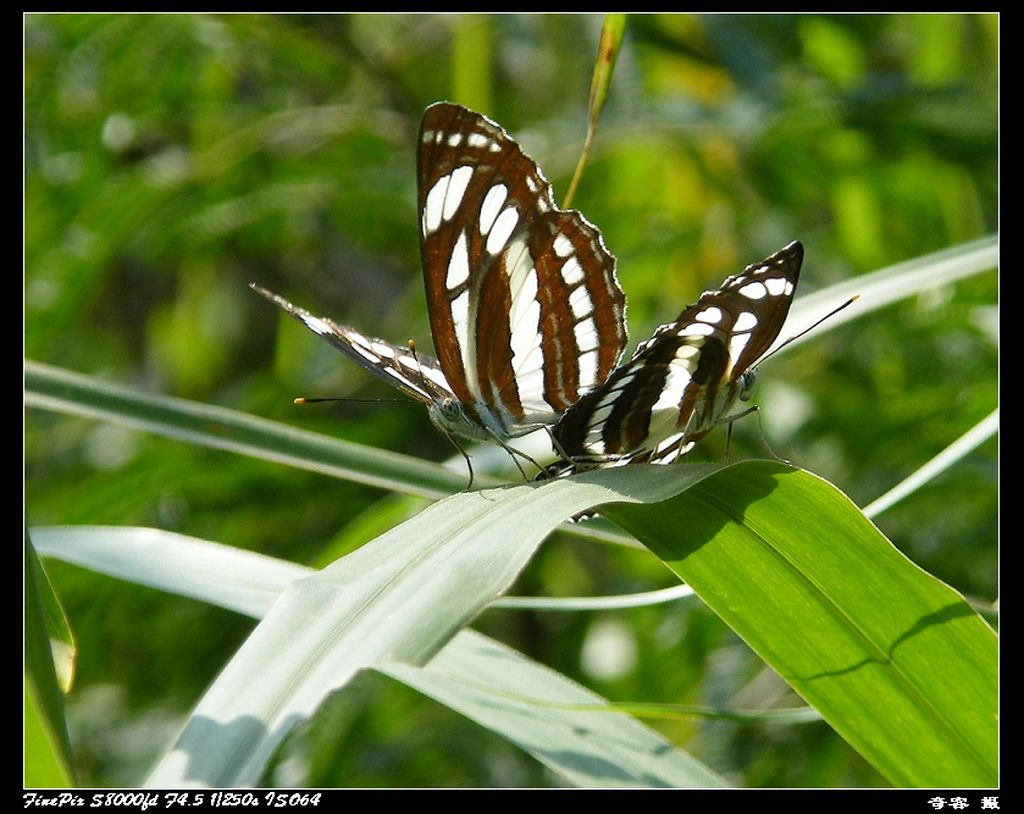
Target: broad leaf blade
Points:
(401, 597)
(892, 658)
(896, 661)
(469, 674)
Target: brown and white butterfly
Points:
(685, 379)
(525, 309)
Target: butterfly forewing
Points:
(683, 380)
(525, 309)
(755, 304)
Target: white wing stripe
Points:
(588, 368)
(562, 246)
(712, 314)
(518, 268)
(436, 376)
(524, 319)
(588, 341)
(365, 352)
(502, 230)
(746, 321)
(737, 343)
(316, 325)
(456, 189)
(460, 321)
(491, 206)
(433, 206)
(572, 272)
(777, 286)
(580, 302)
(458, 264)
(697, 329)
(382, 350)
(754, 291)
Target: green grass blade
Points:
(63, 649)
(888, 285)
(970, 440)
(590, 603)
(242, 581)
(45, 762)
(893, 659)
(612, 30)
(472, 55)
(53, 388)
(47, 748)
(896, 661)
(564, 725)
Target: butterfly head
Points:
(747, 381)
(450, 415)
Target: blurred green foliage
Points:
(171, 159)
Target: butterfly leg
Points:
(513, 452)
(469, 462)
(566, 463)
(760, 432)
(728, 421)
(764, 438)
(728, 438)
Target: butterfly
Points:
(525, 309)
(685, 379)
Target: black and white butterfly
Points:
(525, 309)
(685, 379)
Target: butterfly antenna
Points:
(305, 400)
(829, 315)
(755, 409)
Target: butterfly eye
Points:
(747, 381)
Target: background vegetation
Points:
(172, 159)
